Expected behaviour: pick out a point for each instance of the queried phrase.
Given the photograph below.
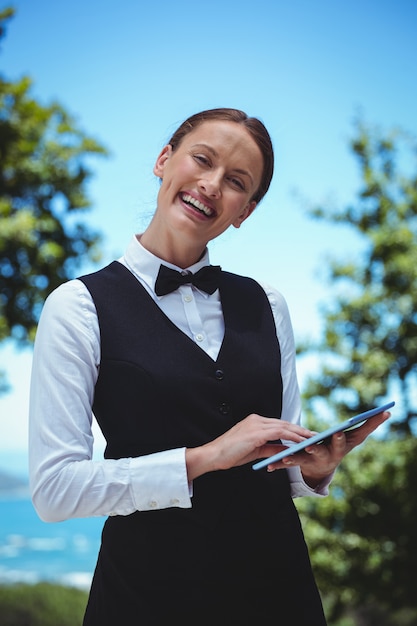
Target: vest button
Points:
(224, 408)
(219, 374)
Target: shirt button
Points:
(199, 337)
(188, 298)
(153, 504)
(224, 408)
(219, 374)
(175, 501)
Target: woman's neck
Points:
(171, 249)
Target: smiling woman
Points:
(189, 371)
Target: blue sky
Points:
(131, 71)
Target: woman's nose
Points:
(210, 184)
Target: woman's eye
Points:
(237, 183)
(202, 159)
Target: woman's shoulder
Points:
(68, 300)
(276, 299)
(69, 316)
(67, 292)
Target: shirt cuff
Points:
(159, 481)
(300, 488)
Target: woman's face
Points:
(209, 180)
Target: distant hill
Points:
(12, 485)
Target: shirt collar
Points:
(145, 265)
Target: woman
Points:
(190, 384)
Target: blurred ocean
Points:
(32, 550)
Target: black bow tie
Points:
(206, 279)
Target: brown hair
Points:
(255, 128)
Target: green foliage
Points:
(5, 15)
(43, 604)
(362, 537)
(43, 178)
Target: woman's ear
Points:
(248, 210)
(163, 157)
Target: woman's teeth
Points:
(197, 205)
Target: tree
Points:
(362, 538)
(41, 604)
(369, 347)
(43, 178)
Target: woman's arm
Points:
(291, 400)
(65, 481)
(311, 471)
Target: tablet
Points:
(320, 437)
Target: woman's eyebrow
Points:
(216, 154)
(207, 147)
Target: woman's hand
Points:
(247, 441)
(251, 439)
(320, 460)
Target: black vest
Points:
(158, 390)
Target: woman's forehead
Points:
(220, 131)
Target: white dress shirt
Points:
(65, 480)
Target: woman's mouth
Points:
(197, 204)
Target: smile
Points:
(196, 204)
